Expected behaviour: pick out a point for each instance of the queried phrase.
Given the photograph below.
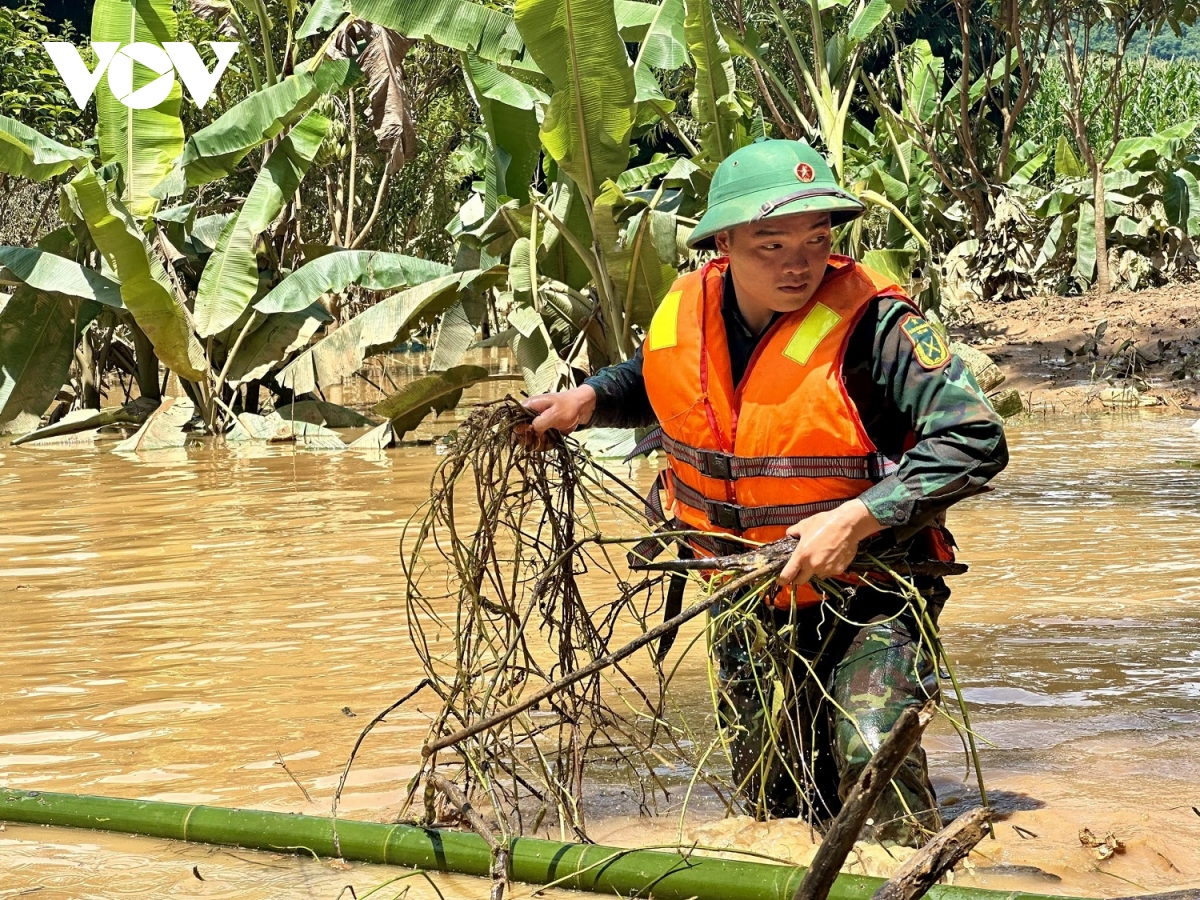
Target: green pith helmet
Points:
(771, 178)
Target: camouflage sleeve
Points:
(621, 398)
(960, 443)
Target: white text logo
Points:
(165, 61)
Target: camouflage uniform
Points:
(872, 673)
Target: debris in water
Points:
(1104, 848)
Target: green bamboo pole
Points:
(586, 867)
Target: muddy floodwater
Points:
(175, 624)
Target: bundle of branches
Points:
(497, 562)
(542, 647)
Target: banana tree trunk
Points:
(1103, 279)
(147, 364)
(611, 871)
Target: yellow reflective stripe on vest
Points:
(664, 327)
(809, 334)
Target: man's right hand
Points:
(563, 411)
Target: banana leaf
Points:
(163, 428)
(273, 341)
(634, 19)
(321, 412)
(216, 150)
(332, 273)
(1181, 200)
(1066, 163)
(144, 142)
(714, 103)
(895, 264)
(923, 81)
(591, 112)
(457, 330)
(230, 278)
(557, 259)
(664, 45)
(1085, 243)
(639, 252)
(384, 324)
(458, 24)
(639, 176)
(55, 275)
(145, 290)
(409, 406)
(378, 438)
(132, 413)
(26, 153)
(508, 108)
(867, 21)
(323, 15)
(533, 347)
(38, 336)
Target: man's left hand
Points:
(828, 542)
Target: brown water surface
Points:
(176, 622)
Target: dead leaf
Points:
(196, 872)
(339, 864)
(1104, 848)
(389, 111)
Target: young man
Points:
(801, 393)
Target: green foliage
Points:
(30, 90)
(1152, 212)
(1168, 93)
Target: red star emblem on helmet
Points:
(805, 172)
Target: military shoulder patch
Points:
(928, 346)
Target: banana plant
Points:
(1151, 203)
(581, 244)
(142, 274)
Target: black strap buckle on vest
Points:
(716, 464)
(724, 515)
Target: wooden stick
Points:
(874, 780)
(499, 850)
(607, 660)
(782, 550)
(936, 858)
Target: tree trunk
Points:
(147, 364)
(86, 355)
(250, 404)
(1103, 281)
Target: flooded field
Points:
(177, 623)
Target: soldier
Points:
(801, 393)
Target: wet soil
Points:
(1049, 350)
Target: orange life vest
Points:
(788, 441)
